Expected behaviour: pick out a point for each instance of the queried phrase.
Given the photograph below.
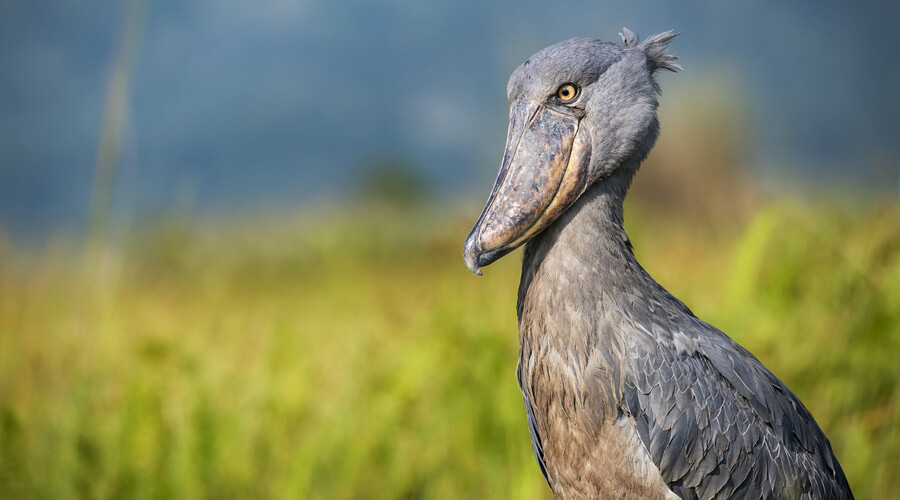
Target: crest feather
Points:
(654, 48)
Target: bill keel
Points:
(544, 170)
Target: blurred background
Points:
(230, 235)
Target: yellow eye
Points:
(567, 92)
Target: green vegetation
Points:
(354, 356)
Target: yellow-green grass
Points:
(354, 356)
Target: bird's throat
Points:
(586, 249)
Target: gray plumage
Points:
(627, 393)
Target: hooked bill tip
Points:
(470, 256)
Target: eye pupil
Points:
(566, 92)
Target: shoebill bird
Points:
(627, 393)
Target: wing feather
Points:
(718, 424)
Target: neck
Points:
(585, 259)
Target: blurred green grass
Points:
(352, 355)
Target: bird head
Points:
(580, 111)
